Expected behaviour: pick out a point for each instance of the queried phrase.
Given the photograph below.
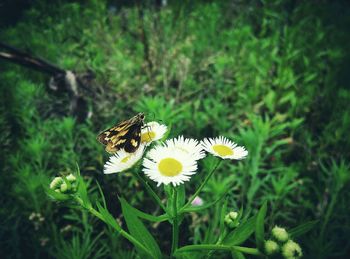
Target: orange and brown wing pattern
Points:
(126, 134)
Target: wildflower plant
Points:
(170, 164)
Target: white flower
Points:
(152, 131)
(224, 148)
(123, 160)
(188, 145)
(168, 165)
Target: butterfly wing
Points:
(126, 134)
(133, 138)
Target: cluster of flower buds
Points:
(37, 220)
(66, 184)
(231, 219)
(281, 244)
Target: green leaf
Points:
(237, 255)
(259, 227)
(302, 229)
(169, 201)
(241, 233)
(57, 195)
(202, 247)
(107, 217)
(139, 231)
(222, 218)
(149, 217)
(102, 195)
(181, 196)
(82, 192)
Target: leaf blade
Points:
(241, 233)
(139, 231)
(259, 227)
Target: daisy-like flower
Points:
(152, 131)
(224, 148)
(123, 160)
(188, 145)
(168, 165)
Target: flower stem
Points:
(200, 187)
(245, 250)
(151, 192)
(175, 223)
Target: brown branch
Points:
(19, 57)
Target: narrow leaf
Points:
(149, 217)
(237, 255)
(241, 233)
(57, 195)
(259, 227)
(181, 196)
(222, 218)
(107, 217)
(302, 229)
(139, 231)
(82, 192)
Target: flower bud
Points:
(56, 182)
(233, 215)
(231, 219)
(291, 250)
(271, 247)
(198, 201)
(280, 234)
(71, 178)
(64, 187)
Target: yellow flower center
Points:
(148, 136)
(223, 150)
(125, 159)
(169, 167)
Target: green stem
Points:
(175, 223)
(200, 187)
(151, 192)
(248, 250)
(120, 231)
(245, 250)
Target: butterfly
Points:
(125, 135)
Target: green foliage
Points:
(138, 230)
(271, 75)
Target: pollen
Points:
(125, 159)
(148, 136)
(170, 167)
(223, 150)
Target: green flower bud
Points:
(56, 182)
(280, 234)
(291, 250)
(271, 247)
(233, 215)
(64, 187)
(231, 219)
(71, 178)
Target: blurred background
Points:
(270, 75)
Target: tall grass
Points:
(268, 75)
